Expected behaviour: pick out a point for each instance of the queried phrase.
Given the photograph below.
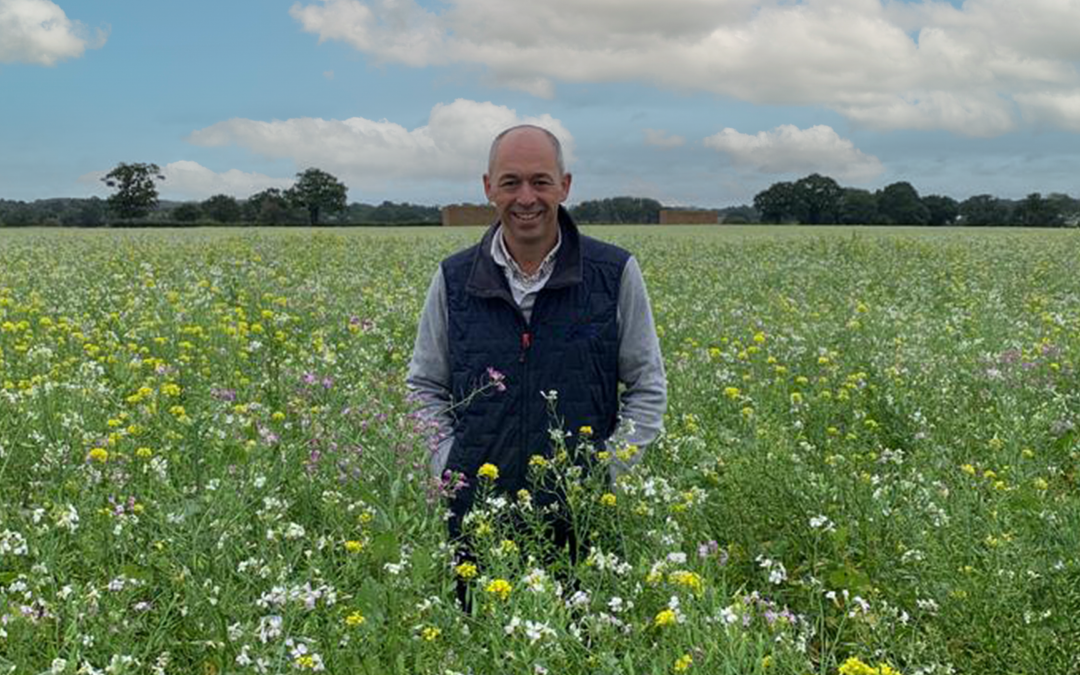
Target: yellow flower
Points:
(355, 619)
(968, 469)
(585, 430)
(508, 547)
(665, 618)
(607, 499)
(99, 455)
(1041, 484)
(538, 461)
(144, 453)
(430, 633)
(354, 546)
(489, 471)
(683, 663)
(766, 662)
(854, 666)
(499, 587)
(731, 392)
(466, 570)
(688, 579)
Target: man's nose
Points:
(526, 196)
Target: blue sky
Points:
(692, 102)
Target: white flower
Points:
(295, 531)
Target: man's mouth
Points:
(526, 217)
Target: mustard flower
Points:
(665, 617)
(500, 588)
(466, 570)
(683, 663)
(489, 471)
(355, 619)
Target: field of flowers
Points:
(208, 463)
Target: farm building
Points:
(688, 217)
(468, 214)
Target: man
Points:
(540, 308)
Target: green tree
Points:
(984, 210)
(136, 193)
(818, 199)
(222, 208)
(942, 210)
(86, 213)
(188, 212)
(859, 207)
(317, 191)
(1035, 211)
(778, 203)
(269, 207)
(899, 204)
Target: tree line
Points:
(820, 200)
(318, 197)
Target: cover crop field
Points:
(871, 461)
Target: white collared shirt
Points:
(524, 287)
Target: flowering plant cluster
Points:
(208, 463)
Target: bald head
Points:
(529, 129)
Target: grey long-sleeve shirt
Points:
(642, 401)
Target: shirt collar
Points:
(503, 259)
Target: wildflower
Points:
(99, 455)
(538, 461)
(466, 570)
(489, 471)
(430, 633)
(683, 663)
(500, 588)
(766, 662)
(355, 619)
(607, 499)
(354, 546)
(497, 379)
(507, 547)
(627, 453)
(144, 453)
(968, 469)
(665, 617)
(1041, 484)
(731, 392)
(687, 579)
(585, 431)
(524, 496)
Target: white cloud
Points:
(1061, 110)
(187, 180)
(365, 153)
(39, 32)
(788, 149)
(926, 65)
(661, 139)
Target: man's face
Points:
(526, 187)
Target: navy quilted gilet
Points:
(569, 346)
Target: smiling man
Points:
(545, 309)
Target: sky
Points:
(690, 102)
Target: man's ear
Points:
(487, 187)
(565, 183)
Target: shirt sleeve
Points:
(428, 378)
(643, 401)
